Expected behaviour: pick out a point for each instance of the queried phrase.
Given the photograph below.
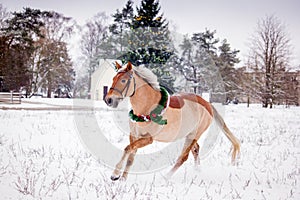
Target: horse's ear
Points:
(129, 66)
(118, 66)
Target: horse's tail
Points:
(235, 142)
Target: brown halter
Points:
(126, 87)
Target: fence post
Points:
(11, 97)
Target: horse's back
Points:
(177, 101)
(186, 114)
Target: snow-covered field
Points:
(42, 157)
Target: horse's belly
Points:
(191, 119)
(182, 122)
(169, 136)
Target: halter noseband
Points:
(126, 87)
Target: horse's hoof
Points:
(114, 178)
(123, 179)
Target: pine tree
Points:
(56, 70)
(206, 68)
(197, 60)
(18, 37)
(142, 37)
(148, 15)
(225, 62)
(121, 25)
(189, 69)
(149, 41)
(198, 67)
(228, 56)
(206, 40)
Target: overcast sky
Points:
(234, 20)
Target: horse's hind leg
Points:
(189, 144)
(195, 151)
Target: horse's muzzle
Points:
(112, 102)
(108, 101)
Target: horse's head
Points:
(123, 85)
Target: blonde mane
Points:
(148, 76)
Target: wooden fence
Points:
(10, 97)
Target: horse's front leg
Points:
(128, 165)
(129, 152)
(130, 158)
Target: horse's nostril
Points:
(109, 101)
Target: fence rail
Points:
(10, 97)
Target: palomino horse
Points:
(156, 115)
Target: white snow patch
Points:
(41, 157)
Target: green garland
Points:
(155, 115)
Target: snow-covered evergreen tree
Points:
(149, 41)
(121, 25)
(225, 62)
(17, 37)
(142, 37)
(206, 68)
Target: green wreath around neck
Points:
(155, 114)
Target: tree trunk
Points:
(89, 85)
(271, 103)
(248, 101)
(49, 90)
(265, 102)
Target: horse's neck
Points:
(145, 98)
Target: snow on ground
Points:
(41, 157)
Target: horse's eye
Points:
(123, 80)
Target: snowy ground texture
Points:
(41, 157)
